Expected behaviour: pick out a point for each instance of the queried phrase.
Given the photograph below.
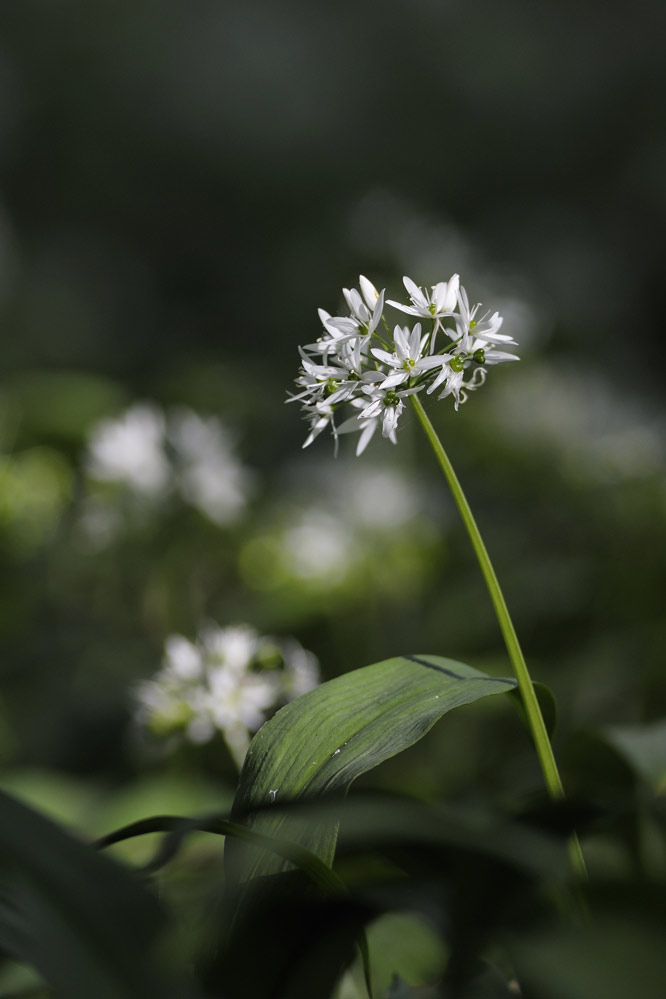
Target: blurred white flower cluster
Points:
(341, 529)
(152, 454)
(359, 363)
(226, 681)
(598, 433)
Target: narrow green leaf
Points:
(323, 741)
(177, 829)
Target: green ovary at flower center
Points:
(391, 399)
(457, 363)
(331, 386)
(408, 363)
(479, 356)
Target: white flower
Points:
(130, 449)
(407, 361)
(434, 305)
(301, 670)
(317, 546)
(330, 343)
(210, 476)
(365, 315)
(218, 684)
(183, 661)
(407, 354)
(154, 455)
(485, 329)
(320, 415)
(387, 406)
(458, 388)
(233, 647)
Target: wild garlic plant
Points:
(358, 364)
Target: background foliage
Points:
(181, 187)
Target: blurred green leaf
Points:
(597, 767)
(287, 940)
(321, 742)
(618, 951)
(63, 798)
(36, 488)
(80, 919)
(644, 746)
(62, 404)
(404, 943)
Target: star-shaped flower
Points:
(365, 311)
(439, 302)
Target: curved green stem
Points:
(532, 709)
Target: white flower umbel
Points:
(226, 681)
(359, 366)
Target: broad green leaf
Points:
(324, 740)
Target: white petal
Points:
(401, 340)
(366, 436)
(389, 421)
(415, 293)
(372, 376)
(369, 292)
(397, 378)
(350, 426)
(377, 313)
(415, 342)
(316, 430)
(406, 308)
(439, 296)
(433, 361)
(356, 304)
(344, 325)
(451, 292)
(324, 316)
(384, 356)
(371, 410)
(444, 374)
(497, 356)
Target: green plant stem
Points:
(532, 708)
